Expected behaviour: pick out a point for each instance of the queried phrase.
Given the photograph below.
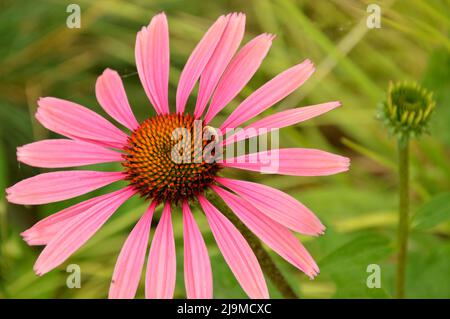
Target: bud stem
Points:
(267, 264)
(403, 226)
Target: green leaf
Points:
(347, 266)
(434, 212)
(362, 250)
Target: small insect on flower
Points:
(156, 173)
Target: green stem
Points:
(403, 225)
(267, 264)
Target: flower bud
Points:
(407, 109)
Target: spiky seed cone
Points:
(156, 170)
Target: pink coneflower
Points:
(151, 172)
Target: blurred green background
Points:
(40, 56)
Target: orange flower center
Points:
(164, 158)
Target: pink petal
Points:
(77, 122)
(236, 251)
(65, 153)
(128, 269)
(78, 231)
(227, 46)
(277, 205)
(280, 120)
(57, 186)
(46, 229)
(197, 267)
(238, 73)
(270, 93)
(291, 161)
(161, 265)
(197, 61)
(276, 236)
(152, 60)
(112, 97)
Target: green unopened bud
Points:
(407, 109)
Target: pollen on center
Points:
(160, 167)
